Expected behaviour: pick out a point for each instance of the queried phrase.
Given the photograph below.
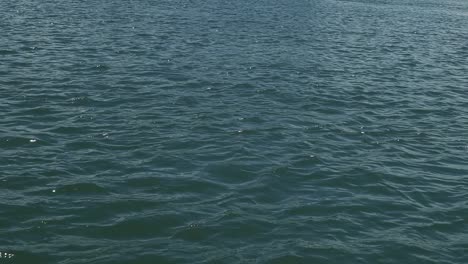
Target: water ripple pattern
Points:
(266, 131)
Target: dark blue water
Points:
(307, 131)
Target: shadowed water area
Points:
(250, 131)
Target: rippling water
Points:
(308, 131)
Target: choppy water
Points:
(268, 131)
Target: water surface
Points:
(234, 131)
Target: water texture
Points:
(250, 131)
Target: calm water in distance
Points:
(249, 131)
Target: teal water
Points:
(306, 131)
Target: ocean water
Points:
(249, 131)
